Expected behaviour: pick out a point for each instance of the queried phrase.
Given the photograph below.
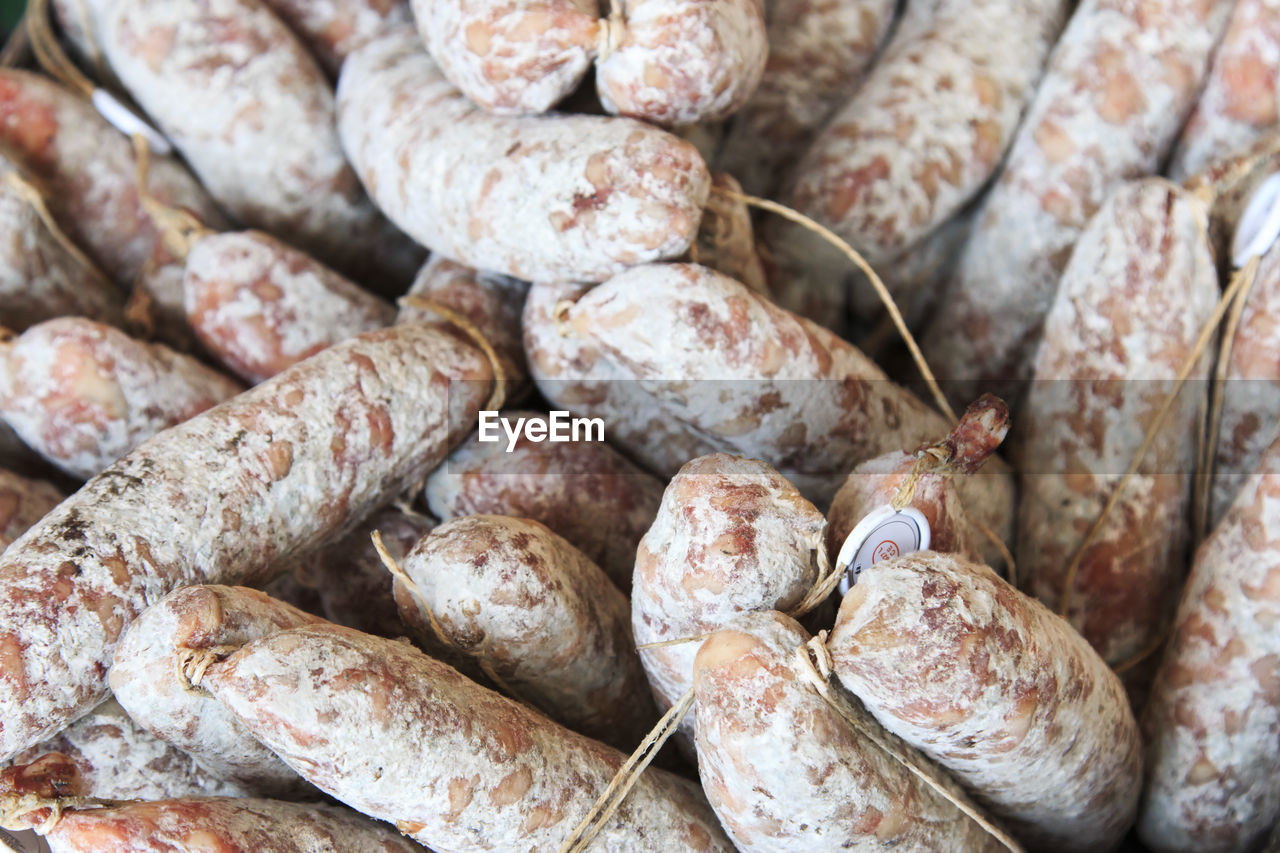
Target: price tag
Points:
(1259, 224)
(882, 534)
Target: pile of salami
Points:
(422, 425)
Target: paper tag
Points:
(127, 122)
(1259, 225)
(24, 841)
(882, 534)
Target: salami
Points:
(786, 772)
(1214, 714)
(998, 690)
(83, 394)
(585, 491)
(86, 169)
(919, 139)
(680, 62)
(452, 765)
(1238, 105)
(538, 615)
(264, 141)
(216, 823)
(554, 198)
(40, 276)
(1117, 90)
(819, 53)
(749, 377)
(232, 495)
(117, 759)
(731, 536)
(148, 679)
(575, 374)
(260, 306)
(672, 62)
(1101, 376)
(23, 502)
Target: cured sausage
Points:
(585, 491)
(538, 615)
(83, 394)
(406, 739)
(232, 495)
(542, 198)
(264, 141)
(147, 679)
(999, 691)
(1101, 376)
(1213, 717)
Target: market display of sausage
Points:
(413, 436)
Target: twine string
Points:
(498, 394)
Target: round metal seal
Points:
(882, 534)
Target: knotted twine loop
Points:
(498, 395)
(179, 229)
(934, 459)
(611, 31)
(14, 808)
(814, 662)
(479, 655)
(28, 192)
(191, 665)
(602, 810)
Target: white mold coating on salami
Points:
(198, 823)
(260, 306)
(23, 502)
(922, 135)
(997, 689)
(786, 773)
(517, 57)
(541, 614)
(118, 759)
(86, 170)
(679, 62)
(1239, 103)
(406, 739)
(1213, 721)
(1102, 373)
(232, 496)
(83, 394)
(1118, 87)
(819, 51)
(146, 680)
(552, 198)
(263, 141)
(731, 535)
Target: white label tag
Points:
(24, 841)
(127, 122)
(1259, 225)
(882, 534)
